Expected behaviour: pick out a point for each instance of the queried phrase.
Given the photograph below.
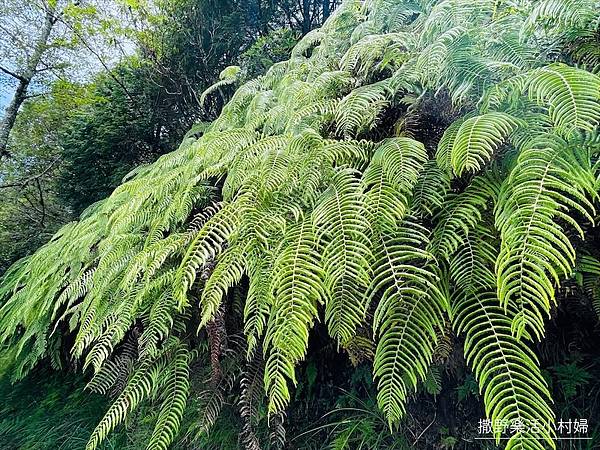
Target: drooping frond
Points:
(206, 244)
(566, 13)
(462, 212)
(505, 367)
(139, 386)
(175, 394)
(227, 273)
(409, 312)
(342, 231)
(228, 76)
(571, 95)
(430, 190)
(549, 181)
(298, 287)
(358, 111)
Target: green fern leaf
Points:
(514, 390)
(390, 178)
(342, 230)
(548, 183)
(298, 287)
(409, 312)
(477, 139)
(175, 396)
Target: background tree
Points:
(42, 41)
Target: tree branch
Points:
(12, 74)
(42, 204)
(22, 184)
(109, 72)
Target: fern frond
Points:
(207, 243)
(409, 312)
(250, 399)
(175, 396)
(430, 190)
(565, 13)
(355, 154)
(138, 388)
(572, 96)
(227, 273)
(549, 183)
(505, 367)
(462, 212)
(477, 139)
(342, 231)
(297, 287)
(390, 178)
(259, 299)
(359, 110)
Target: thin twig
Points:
(22, 184)
(426, 428)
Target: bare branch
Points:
(22, 184)
(12, 74)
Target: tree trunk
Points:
(24, 78)
(305, 16)
(326, 10)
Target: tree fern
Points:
(303, 200)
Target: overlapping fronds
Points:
(508, 373)
(304, 202)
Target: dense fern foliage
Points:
(415, 167)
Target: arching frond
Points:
(207, 243)
(139, 387)
(462, 212)
(359, 110)
(390, 178)
(227, 273)
(430, 190)
(228, 76)
(477, 139)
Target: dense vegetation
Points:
(414, 192)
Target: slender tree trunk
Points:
(24, 78)
(305, 16)
(326, 10)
